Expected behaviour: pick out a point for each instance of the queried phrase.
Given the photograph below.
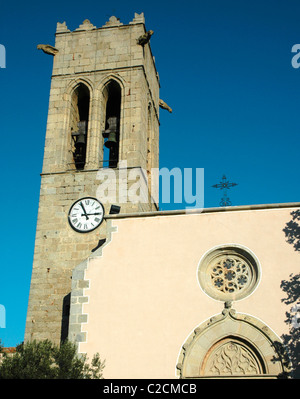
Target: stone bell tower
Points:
(103, 116)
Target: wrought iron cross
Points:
(224, 185)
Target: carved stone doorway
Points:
(232, 345)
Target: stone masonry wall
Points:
(91, 56)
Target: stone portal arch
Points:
(232, 345)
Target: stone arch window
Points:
(112, 113)
(79, 119)
(229, 273)
(232, 345)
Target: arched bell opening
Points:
(80, 106)
(111, 134)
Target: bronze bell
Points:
(112, 140)
(80, 135)
(80, 138)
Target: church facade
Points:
(157, 294)
(188, 296)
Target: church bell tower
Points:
(103, 123)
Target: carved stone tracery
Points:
(231, 358)
(230, 274)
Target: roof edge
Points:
(190, 211)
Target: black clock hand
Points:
(85, 214)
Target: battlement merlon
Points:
(113, 46)
(113, 21)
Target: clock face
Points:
(86, 214)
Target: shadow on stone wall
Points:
(291, 288)
(65, 318)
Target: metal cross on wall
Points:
(224, 185)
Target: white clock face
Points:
(86, 214)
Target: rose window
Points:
(229, 273)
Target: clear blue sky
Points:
(225, 69)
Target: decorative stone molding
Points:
(229, 272)
(61, 27)
(86, 25)
(113, 21)
(138, 19)
(232, 345)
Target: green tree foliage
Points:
(292, 339)
(291, 288)
(45, 360)
(292, 230)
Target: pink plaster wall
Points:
(144, 296)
